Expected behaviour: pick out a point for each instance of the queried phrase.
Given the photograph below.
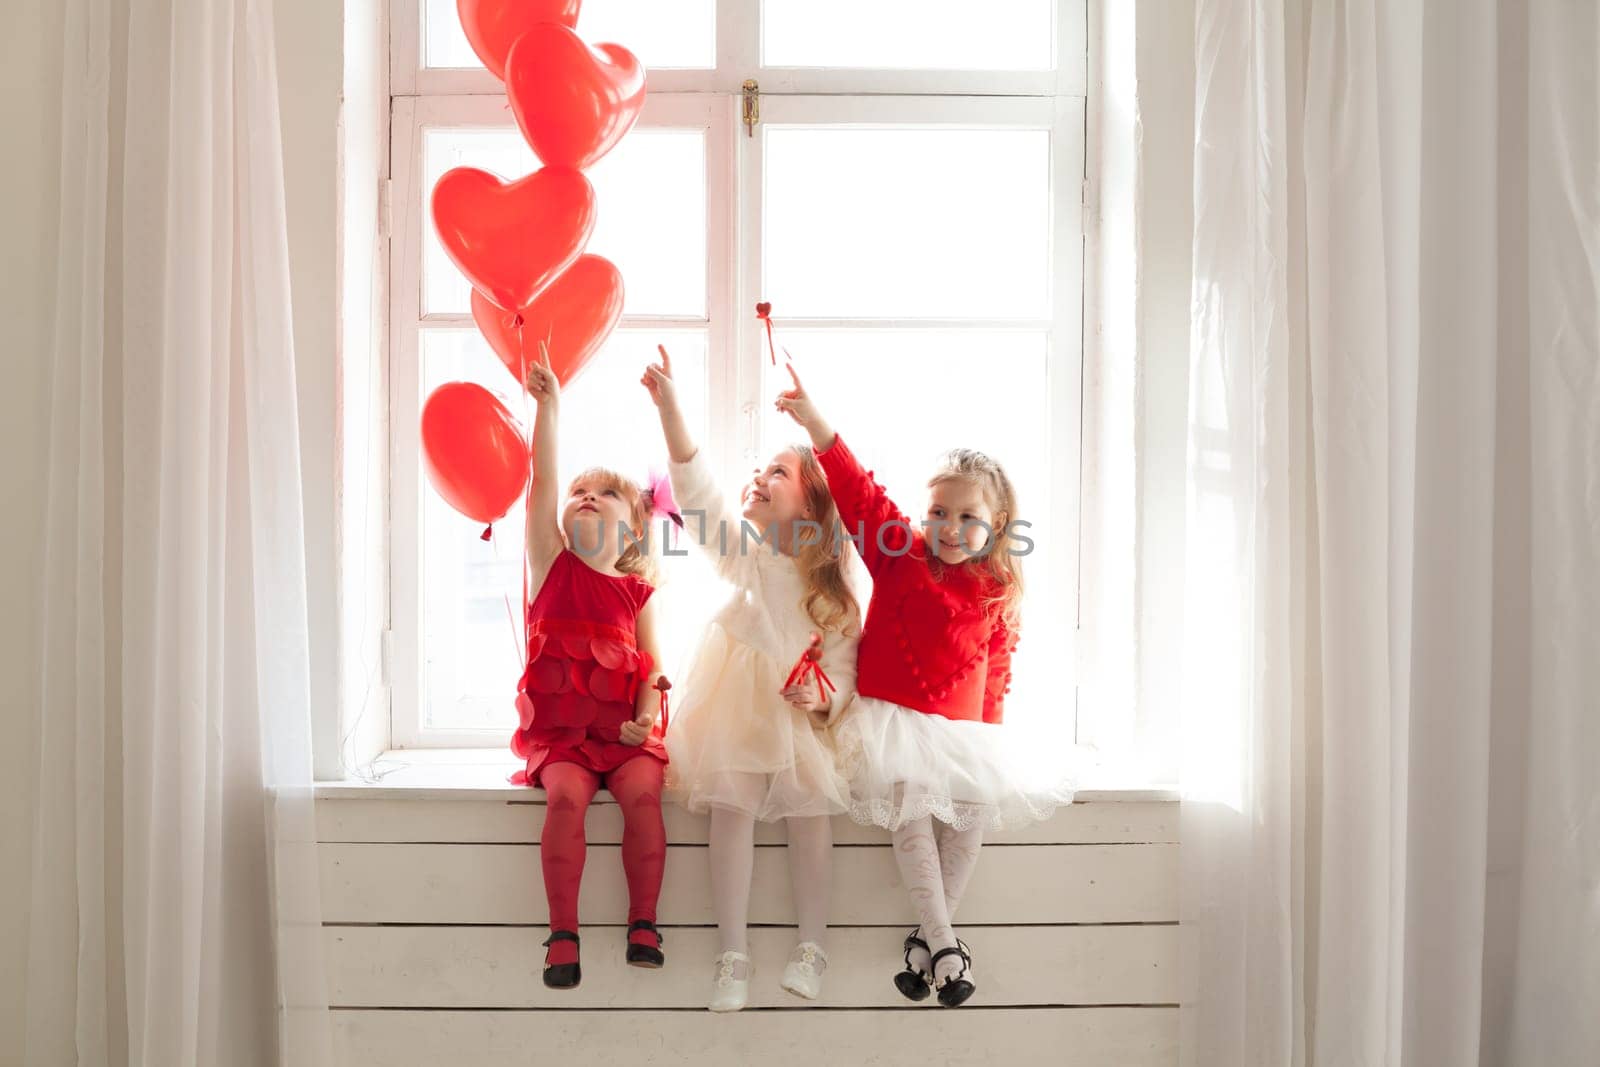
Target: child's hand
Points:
(635, 731)
(802, 409)
(658, 379)
(542, 383)
(798, 403)
(804, 698)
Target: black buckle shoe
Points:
(955, 990)
(912, 983)
(562, 975)
(643, 955)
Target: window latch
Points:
(749, 442)
(752, 106)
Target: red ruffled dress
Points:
(584, 672)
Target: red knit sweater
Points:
(929, 643)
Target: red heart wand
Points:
(810, 665)
(764, 313)
(662, 685)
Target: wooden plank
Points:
(1057, 1037)
(484, 773)
(503, 822)
(499, 967)
(485, 884)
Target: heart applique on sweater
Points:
(924, 620)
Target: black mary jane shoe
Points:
(562, 975)
(912, 983)
(643, 955)
(955, 990)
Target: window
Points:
(909, 203)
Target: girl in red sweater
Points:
(936, 767)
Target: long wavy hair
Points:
(828, 601)
(975, 468)
(637, 558)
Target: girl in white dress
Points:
(744, 744)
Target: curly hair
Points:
(828, 601)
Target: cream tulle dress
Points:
(730, 728)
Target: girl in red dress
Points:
(587, 706)
(935, 765)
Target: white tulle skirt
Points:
(737, 744)
(905, 764)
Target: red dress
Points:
(584, 671)
(930, 643)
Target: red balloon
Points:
(577, 312)
(511, 239)
(493, 26)
(572, 102)
(476, 456)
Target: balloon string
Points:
(770, 350)
(527, 578)
(510, 615)
(515, 322)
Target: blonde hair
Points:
(828, 601)
(975, 468)
(638, 557)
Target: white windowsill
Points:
(483, 773)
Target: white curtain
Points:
(1391, 832)
(174, 905)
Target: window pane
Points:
(905, 223)
(901, 398)
(470, 588)
(909, 34)
(651, 217)
(662, 33)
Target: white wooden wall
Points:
(434, 911)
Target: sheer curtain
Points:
(174, 893)
(1392, 780)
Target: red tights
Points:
(636, 786)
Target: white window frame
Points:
(738, 56)
(711, 100)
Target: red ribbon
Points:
(662, 685)
(809, 665)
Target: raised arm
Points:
(799, 406)
(544, 524)
(864, 508)
(708, 522)
(664, 391)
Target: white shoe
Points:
(803, 975)
(730, 987)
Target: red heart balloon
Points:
(511, 239)
(572, 102)
(577, 312)
(475, 455)
(493, 26)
